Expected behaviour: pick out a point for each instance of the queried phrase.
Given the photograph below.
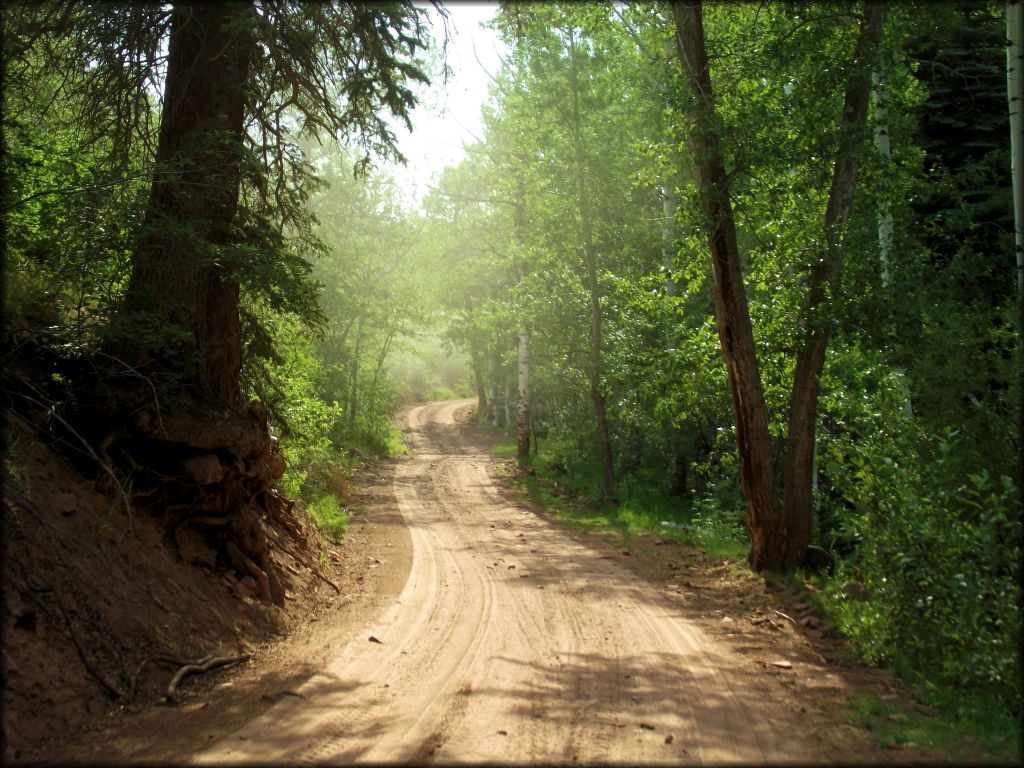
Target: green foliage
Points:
(939, 554)
(958, 726)
(328, 516)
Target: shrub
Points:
(328, 516)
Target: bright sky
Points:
(448, 115)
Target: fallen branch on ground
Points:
(198, 667)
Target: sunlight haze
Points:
(448, 115)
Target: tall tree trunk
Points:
(179, 276)
(1015, 98)
(382, 356)
(882, 144)
(507, 399)
(803, 402)
(886, 229)
(523, 403)
(753, 442)
(668, 203)
(524, 413)
(478, 379)
(604, 445)
(353, 387)
(492, 381)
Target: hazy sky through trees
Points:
(449, 112)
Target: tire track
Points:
(511, 641)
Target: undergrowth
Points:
(573, 499)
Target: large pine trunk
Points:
(179, 276)
(803, 403)
(753, 442)
(215, 461)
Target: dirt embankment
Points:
(471, 628)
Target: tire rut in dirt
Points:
(511, 641)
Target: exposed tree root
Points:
(198, 667)
(208, 474)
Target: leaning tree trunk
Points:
(803, 403)
(604, 445)
(181, 277)
(353, 386)
(753, 442)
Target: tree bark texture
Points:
(604, 445)
(492, 382)
(1015, 99)
(478, 378)
(178, 277)
(803, 403)
(753, 442)
(523, 404)
(353, 387)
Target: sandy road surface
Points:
(512, 641)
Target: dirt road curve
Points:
(511, 641)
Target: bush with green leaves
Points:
(938, 551)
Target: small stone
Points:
(647, 726)
(669, 739)
(782, 664)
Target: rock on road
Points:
(512, 642)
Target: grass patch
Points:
(394, 445)
(328, 517)
(960, 726)
(505, 450)
(570, 500)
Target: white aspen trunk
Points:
(508, 399)
(668, 212)
(523, 420)
(885, 225)
(886, 229)
(492, 383)
(1015, 99)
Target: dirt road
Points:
(514, 641)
